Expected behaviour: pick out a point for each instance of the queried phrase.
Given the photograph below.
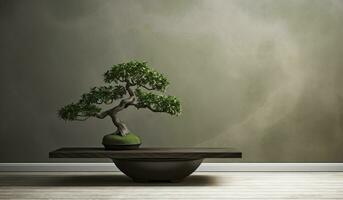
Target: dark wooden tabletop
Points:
(147, 153)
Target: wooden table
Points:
(152, 164)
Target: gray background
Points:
(263, 76)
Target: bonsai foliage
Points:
(130, 84)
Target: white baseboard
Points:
(204, 167)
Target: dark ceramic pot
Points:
(157, 169)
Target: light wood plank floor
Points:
(201, 185)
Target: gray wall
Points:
(263, 76)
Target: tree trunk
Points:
(121, 127)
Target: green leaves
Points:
(78, 111)
(86, 107)
(103, 94)
(137, 74)
(158, 103)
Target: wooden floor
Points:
(201, 185)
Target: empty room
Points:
(171, 99)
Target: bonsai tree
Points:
(127, 84)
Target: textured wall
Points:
(263, 76)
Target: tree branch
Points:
(147, 87)
(123, 104)
(128, 89)
(103, 114)
(109, 102)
